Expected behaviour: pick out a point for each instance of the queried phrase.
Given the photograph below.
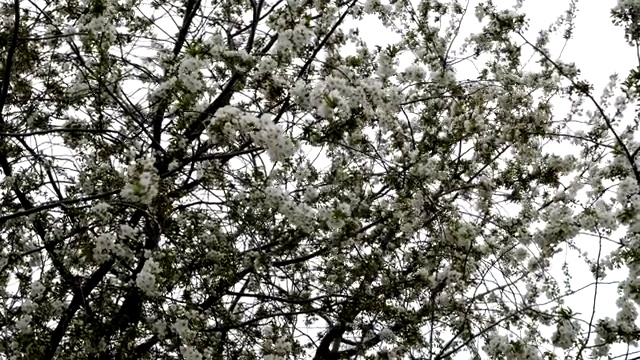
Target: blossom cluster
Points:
(294, 39)
(501, 347)
(142, 186)
(146, 278)
(262, 130)
(105, 244)
(565, 334)
(277, 350)
(100, 27)
(190, 353)
(189, 73)
(334, 94)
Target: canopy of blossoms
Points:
(250, 179)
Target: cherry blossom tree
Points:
(252, 180)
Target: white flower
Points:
(28, 306)
(330, 219)
(188, 72)
(105, 243)
(497, 347)
(385, 67)
(98, 25)
(142, 188)
(301, 35)
(480, 13)
(282, 346)
(370, 6)
(160, 329)
(23, 324)
(146, 279)
(301, 94)
(37, 289)
(311, 193)
(262, 130)
(345, 208)
(414, 73)
(423, 274)
(273, 357)
(565, 334)
(145, 179)
(173, 165)
(267, 331)
(627, 314)
(127, 231)
(626, 188)
(386, 334)
(605, 335)
(101, 207)
(181, 326)
(189, 353)
(284, 43)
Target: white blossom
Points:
(386, 334)
(37, 289)
(24, 323)
(565, 334)
(146, 279)
(189, 353)
(181, 326)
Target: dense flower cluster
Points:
(262, 130)
(565, 334)
(277, 350)
(501, 347)
(189, 353)
(146, 279)
(142, 186)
